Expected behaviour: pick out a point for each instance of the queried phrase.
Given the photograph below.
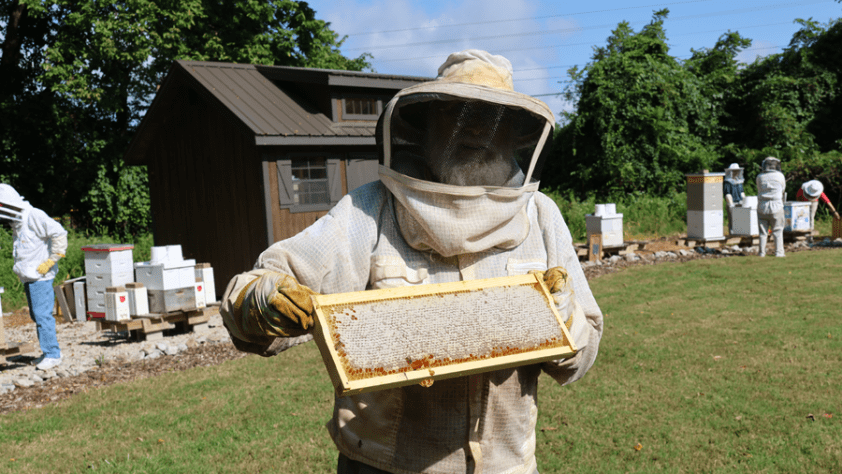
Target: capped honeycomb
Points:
(428, 328)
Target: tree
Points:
(77, 78)
(642, 119)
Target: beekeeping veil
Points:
(12, 205)
(734, 174)
(770, 163)
(462, 156)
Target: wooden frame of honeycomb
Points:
(422, 367)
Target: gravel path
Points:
(85, 349)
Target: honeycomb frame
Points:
(349, 381)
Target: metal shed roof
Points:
(275, 117)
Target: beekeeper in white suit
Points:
(453, 203)
(770, 204)
(39, 242)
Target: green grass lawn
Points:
(709, 366)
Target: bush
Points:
(71, 266)
(643, 216)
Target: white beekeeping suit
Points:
(457, 200)
(37, 237)
(770, 204)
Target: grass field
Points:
(716, 365)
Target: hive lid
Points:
(107, 247)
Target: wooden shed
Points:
(241, 156)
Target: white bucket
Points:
(750, 201)
(610, 209)
(600, 210)
(159, 255)
(174, 253)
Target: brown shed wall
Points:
(207, 189)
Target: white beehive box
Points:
(80, 300)
(167, 301)
(608, 223)
(108, 258)
(797, 215)
(204, 271)
(166, 276)
(744, 222)
(106, 265)
(705, 225)
(138, 299)
(374, 340)
(116, 304)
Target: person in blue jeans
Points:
(39, 242)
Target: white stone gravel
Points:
(83, 348)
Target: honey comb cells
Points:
(428, 331)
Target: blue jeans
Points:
(40, 296)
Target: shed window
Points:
(360, 108)
(309, 183)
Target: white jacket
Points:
(37, 238)
(770, 192)
(486, 421)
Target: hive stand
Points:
(151, 327)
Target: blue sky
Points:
(544, 38)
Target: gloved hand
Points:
(277, 305)
(45, 266)
(836, 215)
(559, 284)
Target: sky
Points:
(544, 38)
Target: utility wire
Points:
(577, 29)
(520, 19)
(562, 77)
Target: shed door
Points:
(360, 170)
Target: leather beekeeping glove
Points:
(275, 305)
(45, 266)
(560, 285)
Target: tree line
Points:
(77, 77)
(643, 119)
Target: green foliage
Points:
(71, 266)
(642, 119)
(77, 77)
(644, 216)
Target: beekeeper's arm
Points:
(573, 296)
(53, 234)
(269, 309)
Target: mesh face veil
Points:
(771, 164)
(465, 142)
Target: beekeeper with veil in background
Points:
(39, 242)
(770, 204)
(457, 200)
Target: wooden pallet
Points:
(16, 349)
(151, 327)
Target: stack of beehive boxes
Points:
(106, 265)
(704, 206)
(605, 221)
(170, 280)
